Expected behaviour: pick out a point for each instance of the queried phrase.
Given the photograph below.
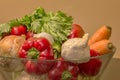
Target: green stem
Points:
(33, 53)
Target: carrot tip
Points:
(109, 27)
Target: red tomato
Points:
(77, 31)
(18, 30)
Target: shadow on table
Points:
(112, 71)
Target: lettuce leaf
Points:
(57, 24)
(5, 27)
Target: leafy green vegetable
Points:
(56, 24)
(4, 28)
(26, 20)
(57, 49)
(14, 22)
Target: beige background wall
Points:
(91, 14)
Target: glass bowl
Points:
(30, 69)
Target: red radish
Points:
(19, 30)
(77, 31)
(92, 67)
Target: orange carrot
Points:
(103, 47)
(103, 32)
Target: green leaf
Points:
(4, 28)
(57, 24)
(14, 22)
(57, 49)
(38, 13)
(26, 20)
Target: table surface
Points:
(112, 71)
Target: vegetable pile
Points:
(58, 45)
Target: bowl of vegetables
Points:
(49, 46)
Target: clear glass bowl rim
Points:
(94, 57)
